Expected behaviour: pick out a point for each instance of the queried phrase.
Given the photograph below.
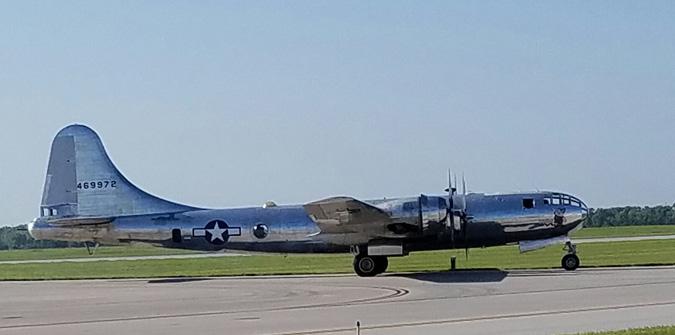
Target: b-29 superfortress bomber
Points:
(87, 199)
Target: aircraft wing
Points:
(347, 215)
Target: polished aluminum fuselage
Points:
(87, 199)
(492, 220)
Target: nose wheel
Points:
(570, 262)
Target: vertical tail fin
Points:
(82, 181)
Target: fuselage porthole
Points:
(260, 231)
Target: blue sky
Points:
(234, 103)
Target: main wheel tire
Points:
(382, 263)
(570, 262)
(366, 266)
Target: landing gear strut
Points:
(369, 266)
(570, 262)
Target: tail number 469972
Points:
(88, 185)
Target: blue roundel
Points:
(216, 232)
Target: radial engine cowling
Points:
(422, 215)
(432, 213)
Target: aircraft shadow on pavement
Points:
(176, 280)
(458, 276)
(541, 273)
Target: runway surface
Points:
(471, 302)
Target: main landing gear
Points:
(369, 266)
(570, 262)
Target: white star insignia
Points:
(216, 233)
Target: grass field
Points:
(63, 253)
(625, 231)
(508, 257)
(664, 330)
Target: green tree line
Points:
(631, 216)
(18, 237)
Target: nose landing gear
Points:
(570, 261)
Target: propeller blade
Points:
(450, 221)
(463, 185)
(464, 214)
(449, 189)
(455, 177)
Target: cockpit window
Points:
(555, 200)
(564, 199)
(528, 203)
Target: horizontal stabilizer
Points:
(81, 221)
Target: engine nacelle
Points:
(424, 214)
(433, 211)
